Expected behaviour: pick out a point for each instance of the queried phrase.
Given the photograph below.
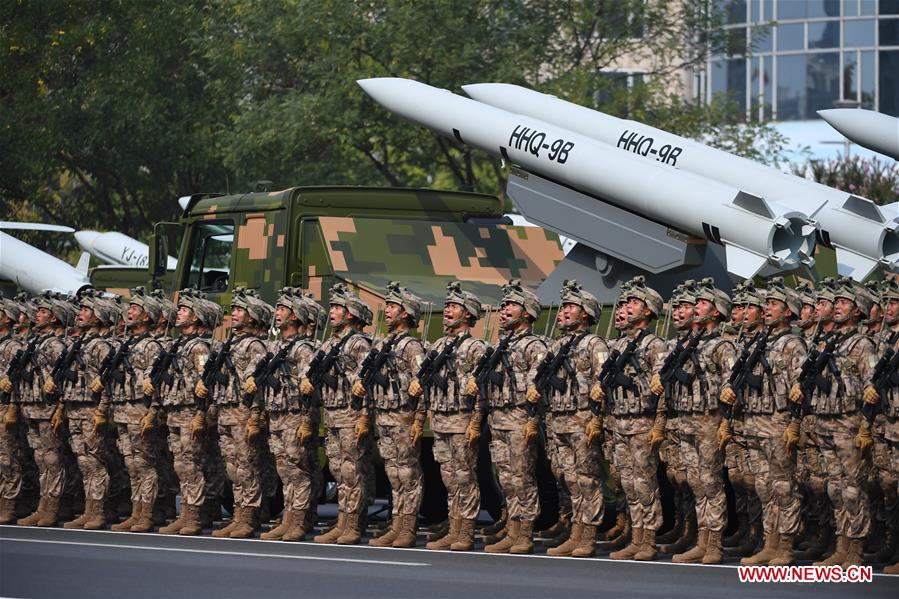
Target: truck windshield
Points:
(211, 249)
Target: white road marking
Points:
(211, 552)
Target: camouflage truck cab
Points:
(314, 236)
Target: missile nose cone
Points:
(86, 239)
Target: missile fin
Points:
(890, 210)
(864, 208)
(84, 263)
(850, 264)
(754, 204)
(742, 262)
(8, 225)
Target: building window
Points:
(791, 37)
(889, 82)
(791, 90)
(823, 82)
(889, 32)
(858, 33)
(824, 34)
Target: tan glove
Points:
(363, 428)
(655, 385)
(197, 425)
(358, 389)
(6, 385)
(11, 418)
(724, 434)
(149, 390)
(200, 389)
(306, 387)
(473, 432)
(148, 423)
(50, 387)
(656, 436)
(791, 435)
(597, 393)
(304, 431)
(96, 385)
(471, 388)
(871, 395)
(594, 429)
(415, 389)
(728, 396)
(533, 396)
(531, 430)
(418, 430)
(58, 418)
(796, 394)
(249, 387)
(253, 428)
(863, 440)
(99, 420)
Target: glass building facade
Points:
(807, 55)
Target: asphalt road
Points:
(74, 563)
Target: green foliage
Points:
(112, 109)
(869, 178)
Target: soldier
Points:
(87, 416)
(185, 416)
(750, 301)
(513, 419)
(400, 415)
(129, 410)
(347, 422)
(776, 356)
(293, 423)
(693, 398)
(639, 356)
(840, 429)
(576, 358)
(239, 424)
(455, 417)
(683, 534)
(886, 401)
(11, 347)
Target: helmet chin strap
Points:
(511, 324)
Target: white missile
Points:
(873, 130)
(753, 235)
(862, 235)
(118, 248)
(35, 271)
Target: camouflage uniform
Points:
(10, 466)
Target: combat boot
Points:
(50, 515)
(277, 532)
(351, 534)
(616, 530)
(406, 538)
(559, 539)
(854, 556)
(386, 539)
(437, 531)
(32, 519)
(839, 554)
(565, 549)
(97, 518)
(297, 526)
(819, 544)
(713, 553)
(210, 512)
(125, 525)
(145, 522)
(893, 569)
(192, 525)
(507, 542)
(739, 535)
(7, 510)
(81, 520)
(465, 539)
(647, 551)
(587, 543)
(767, 553)
(887, 549)
(749, 543)
(675, 532)
(784, 555)
(694, 555)
(176, 524)
(451, 536)
(561, 525)
(686, 540)
(332, 535)
(624, 537)
(633, 548)
(225, 531)
(524, 541)
(245, 526)
(499, 524)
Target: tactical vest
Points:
(355, 346)
(702, 395)
(846, 386)
(187, 367)
(639, 399)
(48, 350)
(577, 391)
(399, 374)
(243, 361)
(456, 373)
(515, 373)
(296, 364)
(93, 351)
(776, 383)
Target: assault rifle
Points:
(811, 375)
(17, 370)
(265, 372)
(741, 375)
(62, 369)
(111, 368)
(485, 372)
(428, 373)
(546, 376)
(159, 372)
(884, 377)
(611, 375)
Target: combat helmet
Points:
(195, 300)
(846, 288)
(149, 304)
(637, 289)
(513, 292)
(292, 299)
(317, 313)
(410, 302)
(11, 309)
(340, 295)
(573, 293)
(103, 310)
(469, 301)
(779, 291)
(706, 290)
